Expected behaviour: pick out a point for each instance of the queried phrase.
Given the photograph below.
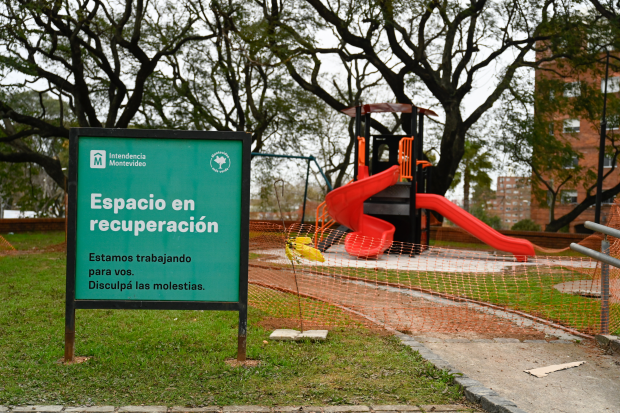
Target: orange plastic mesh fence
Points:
(456, 292)
(5, 245)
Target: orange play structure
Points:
(371, 232)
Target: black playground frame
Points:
(420, 176)
(72, 304)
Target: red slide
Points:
(521, 248)
(371, 236)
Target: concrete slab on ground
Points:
(395, 408)
(143, 409)
(592, 387)
(443, 260)
(283, 334)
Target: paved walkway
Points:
(591, 387)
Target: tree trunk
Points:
(452, 149)
(552, 208)
(566, 219)
(466, 184)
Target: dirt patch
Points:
(62, 247)
(402, 309)
(247, 363)
(76, 360)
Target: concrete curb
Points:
(608, 342)
(237, 409)
(474, 391)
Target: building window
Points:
(572, 163)
(613, 85)
(608, 162)
(571, 126)
(573, 89)
(568, 197)
(608, 201)
(613, 122)
(550, 128)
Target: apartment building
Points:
(584, 137)
(512, 201)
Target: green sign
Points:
(158, 219)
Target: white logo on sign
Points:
(220, 162)
(97, 159)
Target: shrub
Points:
(525, 225)
(494, 221)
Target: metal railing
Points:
(307, 158)
(606, 261)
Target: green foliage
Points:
(26, 186)
(24, 241)
(474, 168)
(481, 213)
(475, 165)
(566, 88)
(525, 225)
(482, 195)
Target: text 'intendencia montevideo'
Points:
(150, 204)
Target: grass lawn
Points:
(484, 247)
(463, 245)
(178, 357)
(35, 240)
(531, 292)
